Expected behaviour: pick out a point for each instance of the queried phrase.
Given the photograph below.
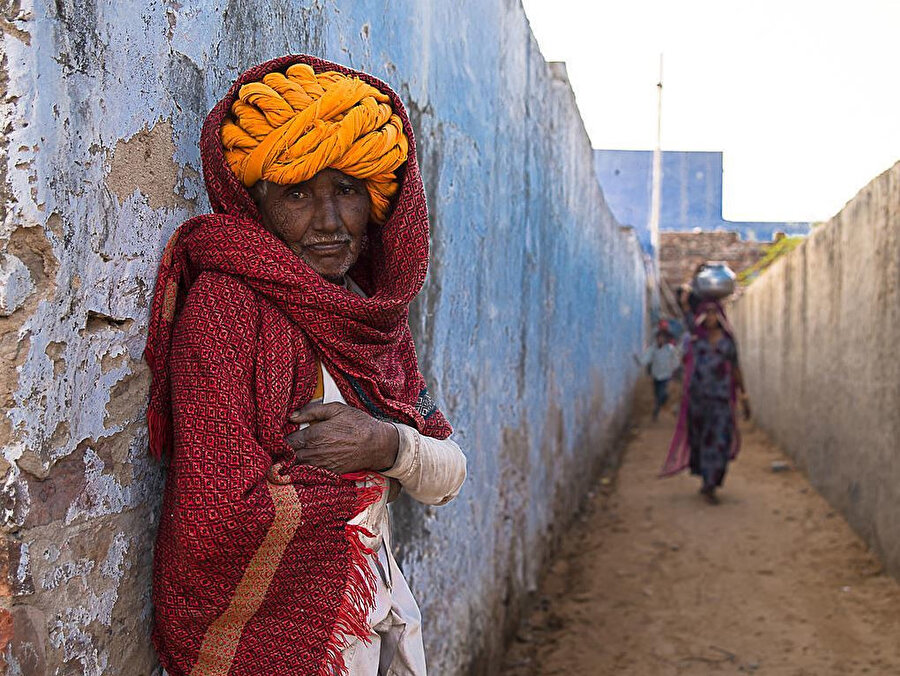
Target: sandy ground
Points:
(652, 580)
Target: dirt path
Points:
(654, 581)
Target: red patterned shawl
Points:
(256, 568)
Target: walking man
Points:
(663, 358)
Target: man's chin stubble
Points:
(338, 278)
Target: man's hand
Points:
(343, 439)
(745, 405)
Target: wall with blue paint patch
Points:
(526, 325)
(691, 194)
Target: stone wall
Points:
(681, 252)
(533, 305)
(819, 334)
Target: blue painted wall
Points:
(691, 194)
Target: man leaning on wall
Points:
(286, 391)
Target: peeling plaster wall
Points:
(819, 333)
(525, 328)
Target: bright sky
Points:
(803, 96)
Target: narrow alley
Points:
(267, 266)
(653, 581)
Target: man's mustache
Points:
(313, 241)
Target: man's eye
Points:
(347, 189)
(297, 194)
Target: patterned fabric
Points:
(257, 570)
(711, 422)
(714, 388)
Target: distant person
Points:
(663, 359)
(707, 436)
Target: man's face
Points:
(323, 220)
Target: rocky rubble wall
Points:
(681, 252)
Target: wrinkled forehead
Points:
(326, 176)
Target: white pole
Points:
(656, 187)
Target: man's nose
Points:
(327, 217)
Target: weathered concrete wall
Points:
(819, 333)
(533, 305)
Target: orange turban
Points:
(291, 125)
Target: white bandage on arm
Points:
(431, 470)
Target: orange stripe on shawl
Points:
(221, 639)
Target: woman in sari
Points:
(707, 436)
(286, 392)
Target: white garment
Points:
(663, 361)
(432, 471)
(395, 645)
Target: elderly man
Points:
(286, 390)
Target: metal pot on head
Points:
(714, 281)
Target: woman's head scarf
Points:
(703, 310)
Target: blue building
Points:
(691, 194)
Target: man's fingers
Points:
(296, 440)
(308, 455)
(309, 438)
(316, 413)
(316, 459)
